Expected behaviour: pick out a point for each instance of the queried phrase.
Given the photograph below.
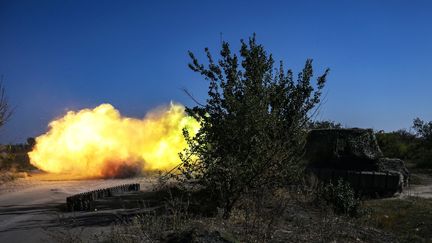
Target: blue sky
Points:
(62, 55)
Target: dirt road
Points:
(423, 190)
(30, 207)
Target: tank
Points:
(354, 155)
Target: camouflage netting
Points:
(394, 165)
(349, 149)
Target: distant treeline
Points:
(413, 146)
(20, 147)
(14, 156)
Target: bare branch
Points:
(5, 110)
(193, 98)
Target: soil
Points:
(30, 207)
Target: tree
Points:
(423, 129)
(253, 124)
(31, 142)
(326, 124)
(5, 111)
(423, 150)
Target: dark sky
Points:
(62, 55)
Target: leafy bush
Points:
(253, 124)
(342, 198)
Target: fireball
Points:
(100, 142)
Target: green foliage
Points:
(423, 129)
(415, 148)
(398, 144)
(327, 124)
(424, 145)
(342, 197)
(252, 126)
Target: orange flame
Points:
(100, 142)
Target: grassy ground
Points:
(410, 219)
(285, 216)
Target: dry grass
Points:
(278, 216)
(409, 218)
(285, 215)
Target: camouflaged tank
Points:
(354, 155)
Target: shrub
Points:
(342, 198)
(253, 124)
